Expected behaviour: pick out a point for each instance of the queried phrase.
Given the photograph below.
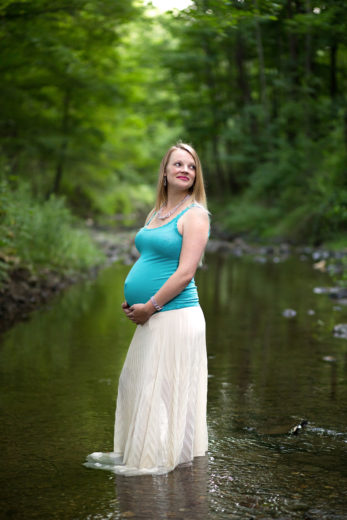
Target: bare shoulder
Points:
(196, 219)
(198, 212)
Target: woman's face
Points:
(180, 170)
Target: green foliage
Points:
(299, 192)
(42, 234)
(84, 113)
(94, 92)
(264, 100)
(60, 66)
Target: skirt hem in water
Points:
(110, 461)
(161, 404)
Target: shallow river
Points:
(267, 373)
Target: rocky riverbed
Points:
(24, 291)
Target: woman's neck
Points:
(173, 198)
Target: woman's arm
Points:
(195, 235)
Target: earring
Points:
(165, 181)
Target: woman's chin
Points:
(183, 186)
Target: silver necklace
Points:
(167, 215)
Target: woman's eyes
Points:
(192, 166)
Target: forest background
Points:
(93, 92)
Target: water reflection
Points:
(59, 374)
(179, 494)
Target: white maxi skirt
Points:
(162, 392)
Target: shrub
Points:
(42, 234)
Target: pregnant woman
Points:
(161, 403)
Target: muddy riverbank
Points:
(24, 292)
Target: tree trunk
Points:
(210, 82)
(242, 80)
(63, 147)
(260, 52)
(308, 73)
(333, 70)
(293, 67)
(308, 45)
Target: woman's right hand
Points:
(126, 308)
(138, 313)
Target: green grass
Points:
(42, 234)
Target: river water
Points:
(267, 373)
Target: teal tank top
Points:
(160, 250)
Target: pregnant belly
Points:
(143, 281)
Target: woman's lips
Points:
(182, 177)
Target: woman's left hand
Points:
(139, 313)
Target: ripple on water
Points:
(59, 380)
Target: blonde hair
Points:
(197, 191)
